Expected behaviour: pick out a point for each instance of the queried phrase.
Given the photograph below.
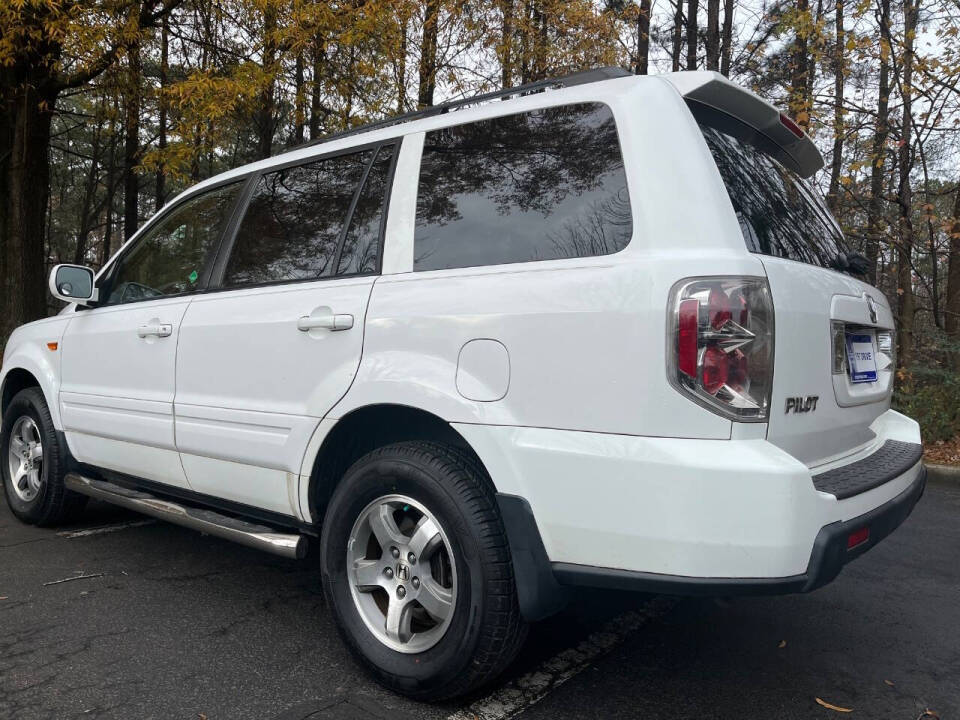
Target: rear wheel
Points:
(417, 570)
(33, 463)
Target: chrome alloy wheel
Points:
(402, 575)
(25, 458)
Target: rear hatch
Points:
(833, 349)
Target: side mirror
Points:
(73, 283)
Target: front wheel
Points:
(417, 570)
(33, 463)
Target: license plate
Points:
(861, 357)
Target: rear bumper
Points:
(830, 553)
(687, 516)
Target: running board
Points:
(259, 537)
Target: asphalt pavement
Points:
(155, 621)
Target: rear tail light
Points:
(721, 344)
(887, 350)
(790, 125)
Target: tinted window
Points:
(535, 186)
(779, 213)
(360, 246)
(171, 256)
(293, 224)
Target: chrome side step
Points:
(259, 537)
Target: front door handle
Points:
(325, 322)
(155, 329)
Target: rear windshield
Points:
(779, 213)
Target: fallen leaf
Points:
(828, 706)
(928, 713)
(889, 682)
(783, 644)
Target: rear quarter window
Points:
(541, 185)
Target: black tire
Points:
(53, 504)
(486, 629)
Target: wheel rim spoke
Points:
(426, 539)
(384, 527)
(366, 575)
(398, 620)
(21, 478)
(436, 600)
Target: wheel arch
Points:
(14, 381)
(363, 429)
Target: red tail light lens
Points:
(790, 125)
(722, 344)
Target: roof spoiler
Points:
(713, 90)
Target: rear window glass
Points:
(533, 186)
(779, 213)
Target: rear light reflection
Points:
(722, 344)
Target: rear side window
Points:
(534, 186)
(779, 213)
(295, 221)
(362, 241)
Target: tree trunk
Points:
(161, 177)
(875, 229)
(726, 40)
(89, 191)
(105, 247)
(319, 54)
(677, 47)
(400, 61)
(428, 54)
(300, 101)
(713, 35)
(131, 153)
(27, 189)
(799, 100)
(643, 37)
(505, 51)
(907, 302)
(951, 308)
(836, 166)
(266, 122)
(693, 7)
(7, 105)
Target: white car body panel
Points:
(251, 387)
(117, 388)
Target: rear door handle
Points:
(325, 322)
(155, 330)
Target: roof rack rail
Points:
(578, 78)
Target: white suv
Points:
(591, 331)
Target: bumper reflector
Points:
(858, 537)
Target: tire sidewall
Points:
(366, 481)
(27, 403)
